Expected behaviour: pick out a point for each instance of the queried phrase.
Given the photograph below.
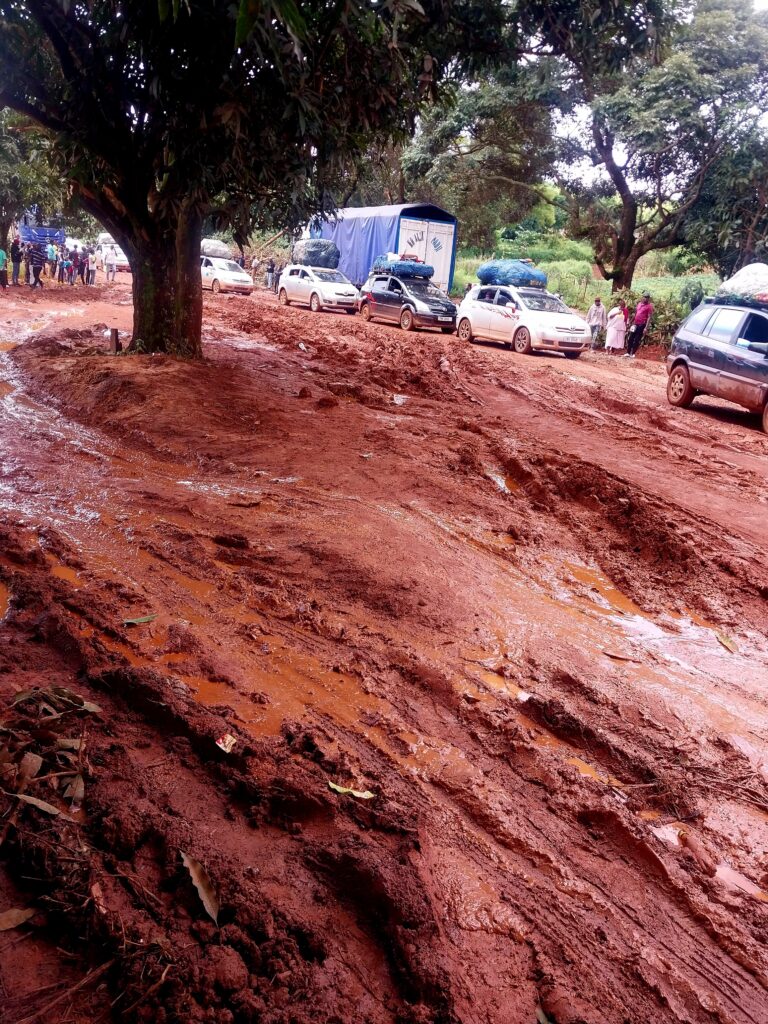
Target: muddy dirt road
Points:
(517, 605)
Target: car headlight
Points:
(421, 307)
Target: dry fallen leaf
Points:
(42, 805)
(75, 792)
(728, 644)
(14, 917)
(203, 884)
(29, 766)
(365, 794)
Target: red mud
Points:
(520, 600)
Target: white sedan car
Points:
(317, 287)
(222, 275)
(524, 318)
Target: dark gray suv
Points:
(721, 349)
(410, 302)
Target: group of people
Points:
(272, 272)
(619, 332)
(32, 261)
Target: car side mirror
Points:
(758, 346)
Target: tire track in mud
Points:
(504, 863)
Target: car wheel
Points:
(572, 355)
(406, 319)
(765, 417)
(465, 330)
(522, 341)
(215, 287)
(680, 391)
(314, 303)
(282, 298)
(365, 312)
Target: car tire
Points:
(522, 341)
(680, 391)
(406, 319)
(314, 303)
(765, 417)
(215, 287)
(365, 312)
(282, 298)
(465, 330)
(571, 355)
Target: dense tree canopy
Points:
(165, 113)
(638, 113)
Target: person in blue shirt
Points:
(3, 270)
(50, 253)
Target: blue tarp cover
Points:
(403, 268)
(44, 235)
(363, 233)
(520, 273)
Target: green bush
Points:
(543, 248)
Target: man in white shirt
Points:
(597, 318)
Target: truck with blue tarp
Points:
(410, 229)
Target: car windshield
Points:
(331, 276)
(231, 266)
(542, 301)
(425, 288)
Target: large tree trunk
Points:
(167, 289)
(5, 227)
(623, 274)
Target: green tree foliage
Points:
(646, 131)
(166, 113)
(729, 221)
(27, 180)
(481, 151)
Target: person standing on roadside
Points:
(110, 263)
(15, 260)
(270, 272)
(597, 318)
(36, 262)
(616, 328)
(51, 260)
(276, 276)
(26, 254)
(91, 267)
(3, 270)
(82, 266)
(640, 321)
(254, 267)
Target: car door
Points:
(481, 312)
(207, 272)
(707, 351)
(394, 299)
(378, 297)
(290, 282)
(744, 376)
(503, 316)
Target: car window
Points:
(542, 301)
(206, 263)
(395, 286)
(486, 294)
(304, 274)
(294, 272)
(698, 320)
(231, 266)
(754, 330)
(723, 324)
(504, 298)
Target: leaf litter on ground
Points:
(202, 882)
(364, 794)
(14, 917)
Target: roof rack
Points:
(741, 301)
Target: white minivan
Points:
(224, 276)
(317, 287)
(525, 319)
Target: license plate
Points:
(445, 318)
